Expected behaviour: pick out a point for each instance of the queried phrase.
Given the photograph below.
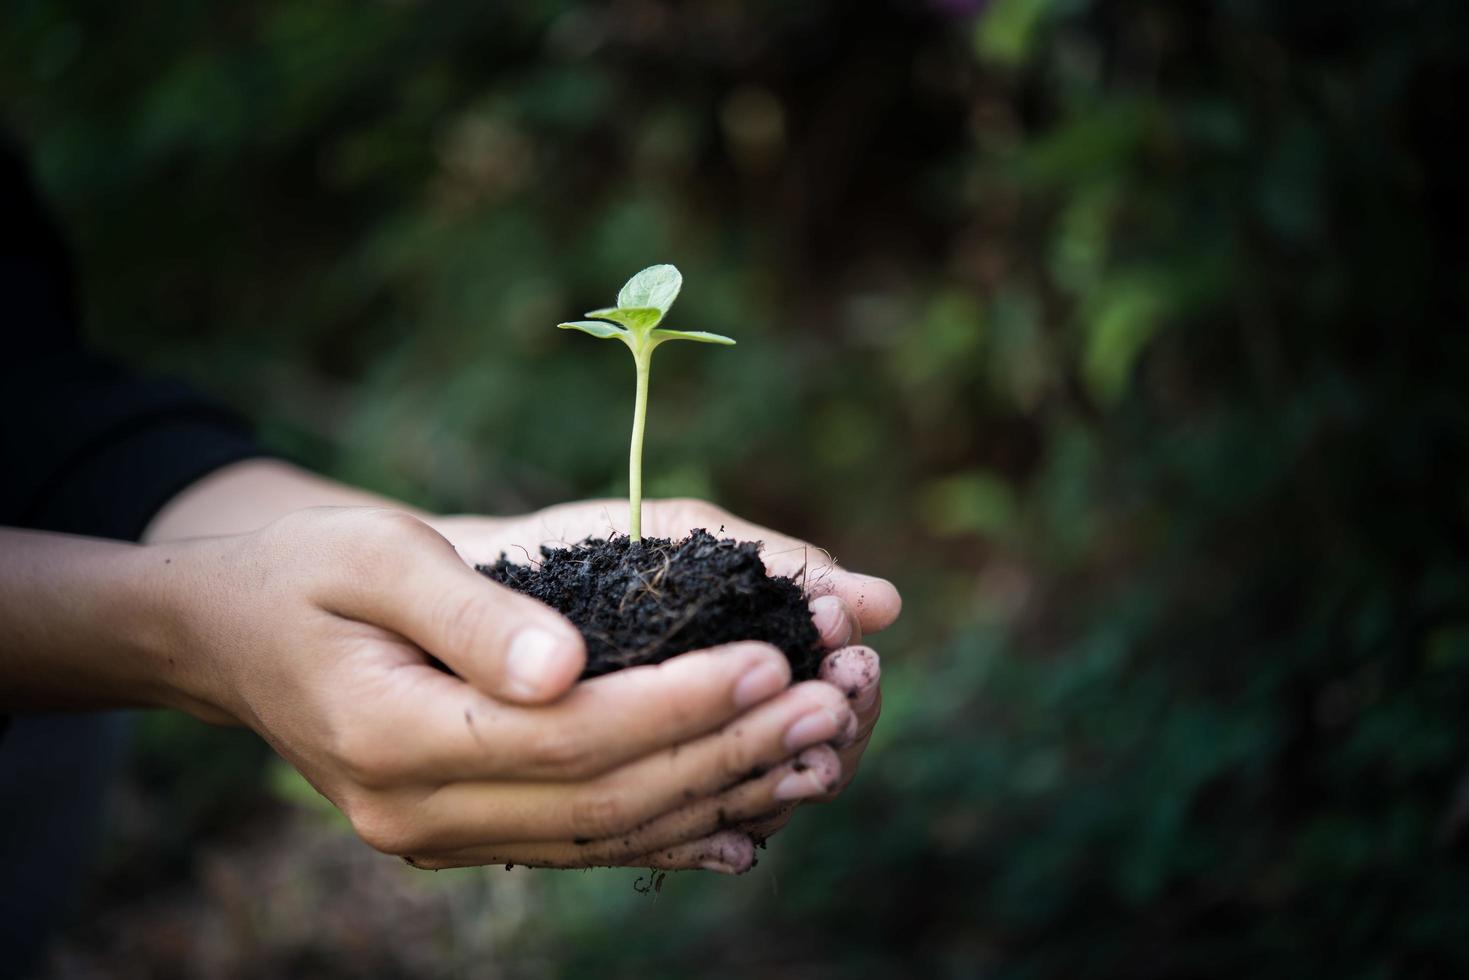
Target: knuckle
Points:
(821, 694)
(461, 619)
(562, 750)
(381, 533)
(735, 754)
(382, 828)
(363, 757)
(824, 761)
(599, 813)
(393, 521)
(673, 682)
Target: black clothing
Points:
(86, 448)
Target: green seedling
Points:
(641, 305)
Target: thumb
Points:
(505, 644)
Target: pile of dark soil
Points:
(643, 603)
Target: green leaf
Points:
(656, 286)
(634, 318)
(596, 328)
(702, 336)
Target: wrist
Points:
(86, 623)
(173, 638)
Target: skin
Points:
(308, 611)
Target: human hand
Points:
(317, 631)
(844, 607)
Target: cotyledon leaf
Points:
(634, 318)
(596, 328)
(703, 336)
(656, 286)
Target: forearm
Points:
(82, 623)
(248, 495)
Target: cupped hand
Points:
(845, 605)
(320, 631)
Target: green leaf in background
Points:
(1181, 681)
(972, 502)
(1006, 32)
(656, 286)
(1127, 314)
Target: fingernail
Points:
(799, 786)
(723, 869)
(759, 683)
(811, 729)
(532, 656)
(866, 698)
(830, 620)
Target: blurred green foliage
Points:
(1129, 338)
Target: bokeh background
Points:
(1127, 338)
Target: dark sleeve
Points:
(86, 446)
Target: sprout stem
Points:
(643, 356)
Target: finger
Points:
(851, 754)
(464, 814)
(730, 852)
(875, 601)
(851, 759)
(856, 671)
(446, 731)
(812, 772)
(835, 622)
(410, 580)
(762, 828)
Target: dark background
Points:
(1127, 338)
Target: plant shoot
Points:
(641, 305)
